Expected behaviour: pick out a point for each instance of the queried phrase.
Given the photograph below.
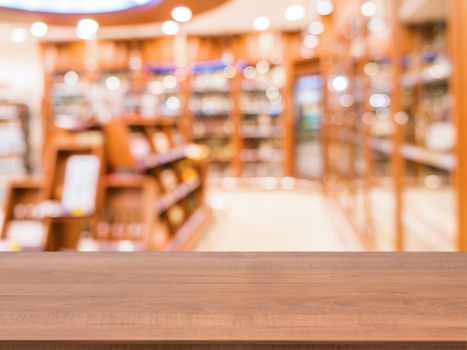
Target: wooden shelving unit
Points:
(308, 119)
(211, 107)
(164, 92)
(143, 192)
(391, 149)
(374, 158)
(14, 139)
(22, 215)
(261, 108)
(209, 96)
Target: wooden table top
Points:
(222, 297)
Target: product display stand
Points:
(229, 95)
(15, 149)
(141, 188)
(389, 132)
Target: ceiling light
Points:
(261, 23)
(156, 87)
(346, 100)
(294, 12)
(71, 78)
(339, 83)
(173, 103)
(87, 29)
(112, 83)
(380, 101)
(263, 67)
(170, 28)
(249, 72)
(18, 35)
(368, 9)
(273, 93)
(316, 27)
(230, 72)
(170, 82)
(311, 41)
(181, 14)
(324, 8)
(73, 6)
(39, 29)
(401, 118)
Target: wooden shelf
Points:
(213, 136)
(413, 80)
(21, 193)
(124, 180)
(443, 161)
(171, 156)
(190, 233)
(382, 145)
(181, 192)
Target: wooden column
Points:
(397, 161)
(325, 63)
(237, 120)
(458, 36)
(187, 119)
(288, 119)
(367, 151)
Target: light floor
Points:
(275, 221)
(306, 220)
(246, 220)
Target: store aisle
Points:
(275, 221)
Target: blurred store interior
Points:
(233, 125)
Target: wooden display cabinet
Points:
(127, 213)
(428, 128)
(46, 203)
(15, 148)
(395, 176)
(69, 224)
(22, 204)
(169, 189)
(212, 111)
(156, 202)
(133, 144)
(306, 120)
(157, 60)
(262, 118)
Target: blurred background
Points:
(232, 125)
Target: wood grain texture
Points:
(355, 346)
(236, 298)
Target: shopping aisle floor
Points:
(275, 221)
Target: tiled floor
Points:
(275, 221)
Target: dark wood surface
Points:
(233, 298)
